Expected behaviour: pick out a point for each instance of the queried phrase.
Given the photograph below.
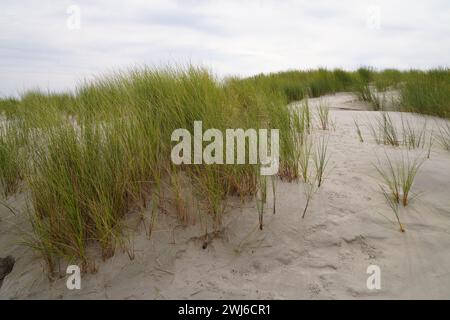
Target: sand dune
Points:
(348, 227)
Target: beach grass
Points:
(100, 152)
(398, 175)
(88, 158)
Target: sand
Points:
(348, 227)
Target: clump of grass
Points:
(413, 136)
(398, 176)
(364, 93)
(305, 117)
(408, 134)
(323, 112)
(296, 84)
(389, 130)
(13, 140)
(443, 136)
(390, 177)
(384, 130)
(379, 101)
(304, 158)
(321, 159)
(408, 174)
(108, 150)
(427, 92)
(375, 132)
(177, 190)
(367, 93)
(80, 190)
(10, 169)
(289, 165)
(393, 204)
(309, 189)
(9, 107)
(209, 187)
(291, 138)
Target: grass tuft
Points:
(323, 112)
(398, 176)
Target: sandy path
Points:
(323, 256)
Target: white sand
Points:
(348, 227)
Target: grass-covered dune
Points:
(425, 92)
(87, 158)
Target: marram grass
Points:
(90, 157)
(105, 150)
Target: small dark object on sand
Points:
(6, 266)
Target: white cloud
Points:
(231, 37)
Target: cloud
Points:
(231, 37)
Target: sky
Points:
(55, 45)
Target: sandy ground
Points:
(348, 227)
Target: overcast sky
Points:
(53, 45)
